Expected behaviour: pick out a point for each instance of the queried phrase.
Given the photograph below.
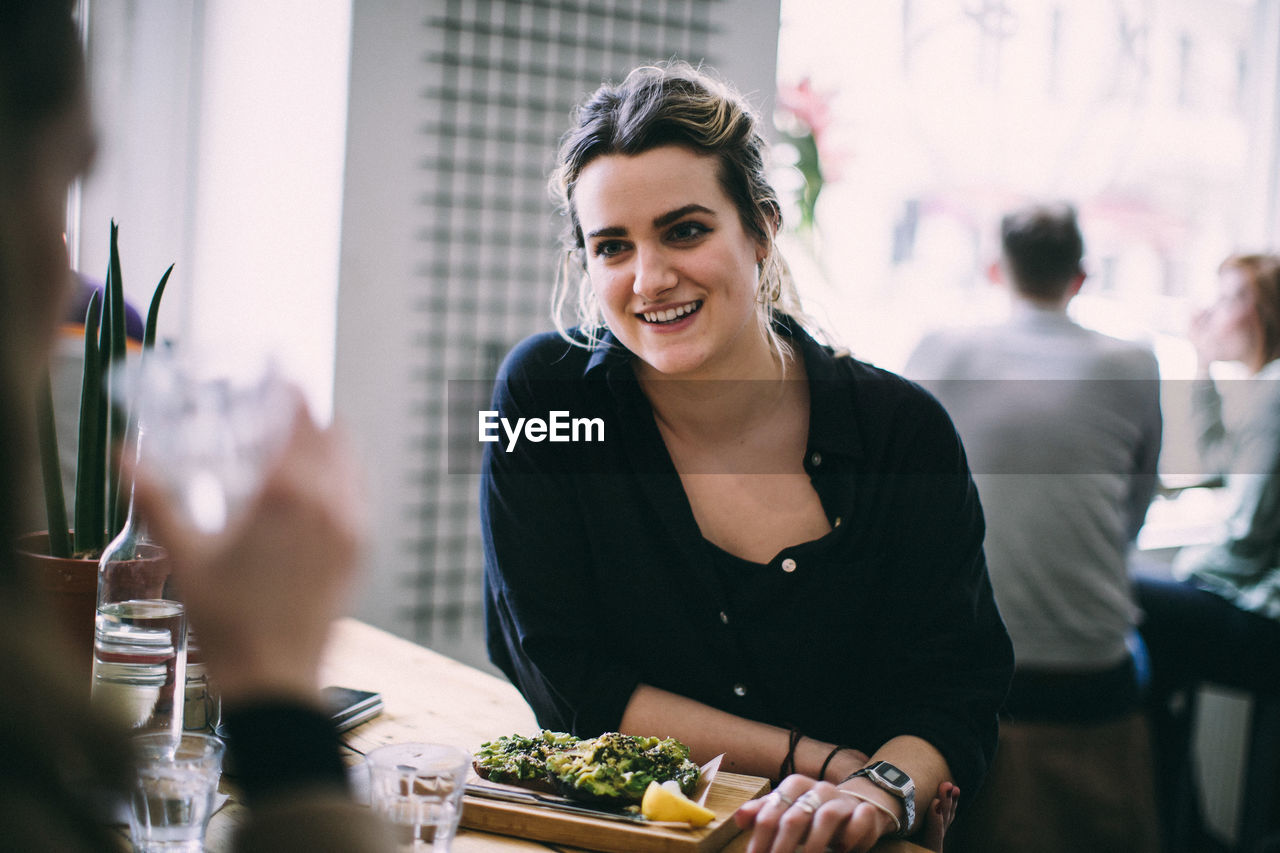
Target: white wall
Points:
(269, 184)
(379, 256)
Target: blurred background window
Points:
(1157, 118)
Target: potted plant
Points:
(64, 558)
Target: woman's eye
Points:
(608, 248)
(685, 231)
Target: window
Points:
(1150, 116)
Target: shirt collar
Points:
(1270, 370)
(1028, 313)
(608, 352)
(833, 427)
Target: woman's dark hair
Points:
(1262, 273)
(672, 104)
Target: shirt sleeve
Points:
(1242, 565)
(279, 747)
(286, 760)
(950, 678)
(1146, 470)
(546, 617)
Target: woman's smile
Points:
(670, 316)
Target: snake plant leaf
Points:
(90, 520)
(117, 492)
(55, 502)
(153, 313)
(148, 342)
(115, 294)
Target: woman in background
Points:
(1220, 621)
(774, 551)
(297, 542)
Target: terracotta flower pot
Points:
(71, 587)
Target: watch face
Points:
(892, 775)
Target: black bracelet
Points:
(822, 774)
(789, 762)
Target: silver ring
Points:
(784, 799)
(809, 801)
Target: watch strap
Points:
(906, 796)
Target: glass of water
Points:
(210, 433)
(176, 791)
(418, 787)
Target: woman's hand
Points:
(839, 822)
(1200, 334)
(262, 593)
(814, 816)
(937, 820)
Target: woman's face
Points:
(1230, 329)
(672, 267)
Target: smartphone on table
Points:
(348, 708)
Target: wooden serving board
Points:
(728, 791)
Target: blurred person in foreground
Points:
(1063, 427)
(1219, 620)
(775, 551)
(297, 543)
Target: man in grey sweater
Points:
(1062, 428)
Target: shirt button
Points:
(724, 618)
(739, 690)
(788, 565)
(815, 458)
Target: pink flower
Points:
(809, 107)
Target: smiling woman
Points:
(756, 491)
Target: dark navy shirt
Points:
(598, 578)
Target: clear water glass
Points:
(418, 787)
(210, 434)
(175, 793)
(139, 636)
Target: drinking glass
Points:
(210, 433)
(175, 792)
(418, 787)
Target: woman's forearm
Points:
(749, 747)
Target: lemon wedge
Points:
(668, 802)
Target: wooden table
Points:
(430, 697)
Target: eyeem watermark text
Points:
(559, 426)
